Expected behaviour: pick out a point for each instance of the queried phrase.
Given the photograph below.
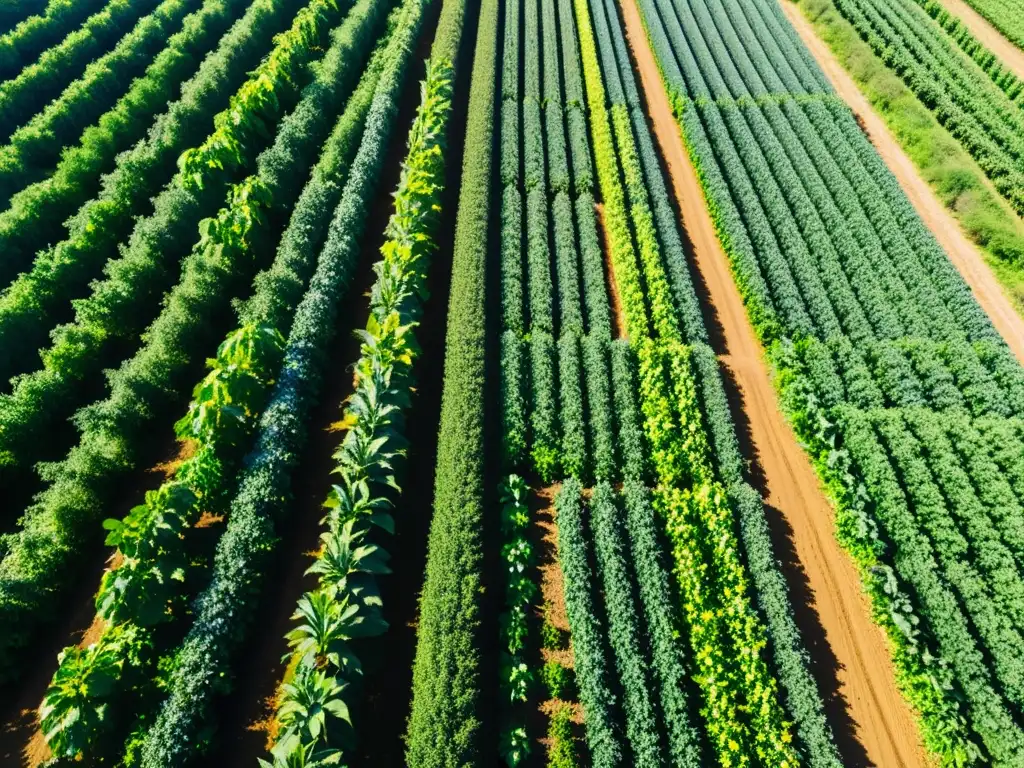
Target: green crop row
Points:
(146, 385)
(29, 222)
(34, 148)
(121, 306)
(445, 720)
(42, 81)
(22, 45)
(156, 571)
(226, 606)
(60, 271)
(347, 599)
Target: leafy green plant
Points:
(557, 679)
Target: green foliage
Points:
(562, 751)
(242, 554)
(567, 267)
(592, 668)
(600, 409)
(624, 628)
(28, 306)
(25, 42)
(512, 269)
(42, 81)
(544, 406)
(574, 457)
(36, 146)
(444, 723)
(514, 410)
(29, 223)
(557, 680)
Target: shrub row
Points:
(545, 446)
(35, 147)
(29, 222)
(22, 45)
(60, 272)
(573, 458)
(119, 307)
(600, 413)
(567, 260)
(42, 81)
(147, 385)
(445, 722)
(224, 609)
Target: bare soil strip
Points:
(865, 693)
(1007, 53)
(964, 255)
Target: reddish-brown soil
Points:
(1008, 54)
(851, 658)
(618, 317)
(964, 255)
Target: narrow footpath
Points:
(964, 255)
(874, 725)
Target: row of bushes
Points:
(122, 305)
(444, 723)
(22, 45)
(64, 269)
(156, 566)
(148, 384)
(29, 222)
(327, 669)
(35, 147)
(225, 608)
(43, 80)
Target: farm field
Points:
(515, 382)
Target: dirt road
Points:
(964, 255)
(884, 732)
(1008, 53)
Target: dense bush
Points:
(574, 459)
(514, 409)
(545, 445)
(23, 44)
(567, 267)
(600, 408)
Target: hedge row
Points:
(224, 610)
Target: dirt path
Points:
(965, 257)
(1008, 53)
(884, 732)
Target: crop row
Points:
(671, 280)
(445, 722)
(147, 385)
(792, 184)
(30, 305)
(108, 322)
(29, 223)
(347, 598)
(975, 111)
(42, 81)
(1004, 16)
(23, 44)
